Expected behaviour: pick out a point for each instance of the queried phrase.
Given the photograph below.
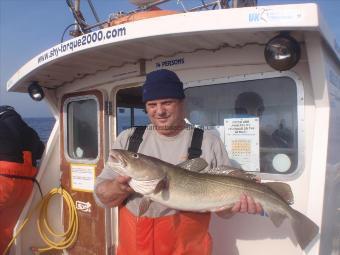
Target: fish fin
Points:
(305, 229)
(276, 218)
(283, 190)
(238, 173)
(220, 170)
(161, 185)
(144, 206)
(225, 214)
(233, 172)
(194, 165)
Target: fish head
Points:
(135, 165)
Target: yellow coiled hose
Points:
(47, 234)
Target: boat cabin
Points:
(265, 79)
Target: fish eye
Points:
(135, 155)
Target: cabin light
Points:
(282, 52)
(36, 92)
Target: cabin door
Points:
(82, 157)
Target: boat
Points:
(285, 54)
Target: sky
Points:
(28, 27)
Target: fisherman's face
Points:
(167, 115)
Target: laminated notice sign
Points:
(82, 177)
(241, 137)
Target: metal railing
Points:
(81, 27)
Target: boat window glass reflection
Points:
(130, 109)
(271, 101)
(82, 129)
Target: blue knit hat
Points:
(161, 84)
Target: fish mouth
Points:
(117, 160)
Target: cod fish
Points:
(183, 187)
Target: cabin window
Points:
(82, 129)
(257, 120)
(130, 109)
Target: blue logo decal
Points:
(254, 17)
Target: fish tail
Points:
(305, 229)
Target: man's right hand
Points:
(113, 192)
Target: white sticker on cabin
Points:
(82, 177)
(83, 206)
(241, 137)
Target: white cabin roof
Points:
(167, 36)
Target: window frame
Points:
(300, 112)
(66, 125)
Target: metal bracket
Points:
(108, 108)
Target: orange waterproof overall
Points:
(14, 193)
(179, 234)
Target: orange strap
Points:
(182, 233)
(24, 169)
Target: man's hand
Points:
(113, 193)
(247, 205)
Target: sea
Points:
(43, 126)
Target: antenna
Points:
(81, 27)
(80, 24)
(243, 3)
(146, 4)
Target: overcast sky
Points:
(28, 27)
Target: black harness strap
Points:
(195, 150)
(33, 179)
(136, 138)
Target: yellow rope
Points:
(46, 232)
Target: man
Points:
(20, 147)
(162, 230)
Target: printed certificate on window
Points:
(241, 137)
(82, 177)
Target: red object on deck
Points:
(14, 193)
